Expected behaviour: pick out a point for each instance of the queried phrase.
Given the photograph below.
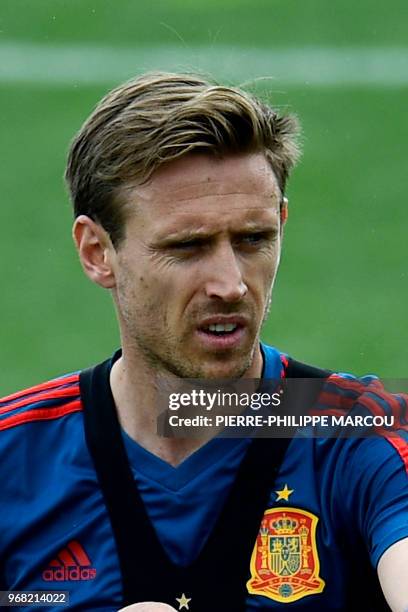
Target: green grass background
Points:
(342, 293)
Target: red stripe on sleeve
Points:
(394, 404)
(401, 447)
(349, 385)
(43, 395)
(371, 404)
(51, 384)
(285, 364)
(40, 414)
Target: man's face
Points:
(194, 274)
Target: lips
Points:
(222, 332)
(237, 320)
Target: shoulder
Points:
(383, 414)
(363, 403)
(47, 401)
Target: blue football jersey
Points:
(336, 506)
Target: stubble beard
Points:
(164, 353)
(170, 360)
(267, 309)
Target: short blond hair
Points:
(160, 117)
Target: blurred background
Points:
(342, 293)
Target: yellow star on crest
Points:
(284, 493)
(183, 601)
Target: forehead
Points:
(197, 188)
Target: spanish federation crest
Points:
(285, 563)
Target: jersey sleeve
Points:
(375, 479)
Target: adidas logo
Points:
(71, 563)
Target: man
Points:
(178, 189)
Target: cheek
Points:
(164, 294)
(271, 263)
(134, 289)
(260, 274)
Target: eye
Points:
(194, 243)
(256, 238)
(253, 238)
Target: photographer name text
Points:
(257, 420)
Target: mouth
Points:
(220, 329)
(222, 332)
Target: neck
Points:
(136, 392)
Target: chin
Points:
(225, 369)
(197, 365)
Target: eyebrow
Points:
(204, 235)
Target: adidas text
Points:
(69, 573)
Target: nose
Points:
(224, 279)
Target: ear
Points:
(95, 250)
(284, 212)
